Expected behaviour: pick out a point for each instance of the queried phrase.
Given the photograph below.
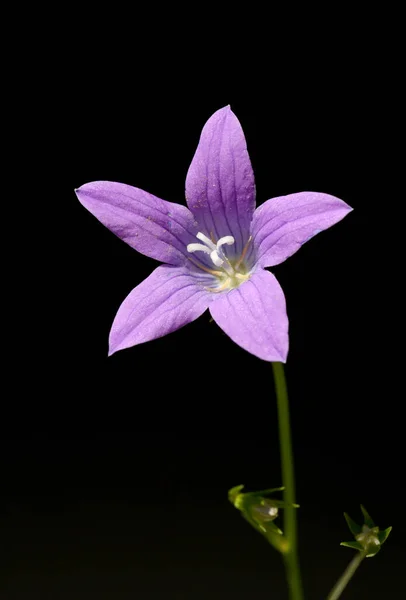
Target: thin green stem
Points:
(290, 555)
(346, 576)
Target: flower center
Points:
(231, 273)
(368, 537)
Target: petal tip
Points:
(112, 349)
(80, 194)
(224, 111)
(81, 191)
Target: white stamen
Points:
(216, 254)
(198, 247)
(227, 239)
(206, 240)
(216, 259)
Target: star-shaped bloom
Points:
(368, 537)
(215, 251)
(261, 511)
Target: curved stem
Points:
(290, 555)
(346, 576)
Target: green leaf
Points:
(266, 492)
(354, 527)
(383, 535)
(269, 529)
(274, 528)
(355, 545)
(234, 495)
(282, 504)
(373, 550)
(367, 518)
(235, 490)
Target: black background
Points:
(115, 470)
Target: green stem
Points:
(346, 576)
(290, 555)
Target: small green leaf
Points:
(373, 550)
(266, 492)
(282, 504)
(235, 490)
(271, 527)
(354, 527)
(383, 535)
(235, 496)
(367, 518)
(355, 545)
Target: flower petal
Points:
(220, 186)
(167, 300)
(154, 227)
(282, 225)
(254, 316)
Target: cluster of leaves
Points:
(261, 511)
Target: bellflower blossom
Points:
(216, 250)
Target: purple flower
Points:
(216, 250)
